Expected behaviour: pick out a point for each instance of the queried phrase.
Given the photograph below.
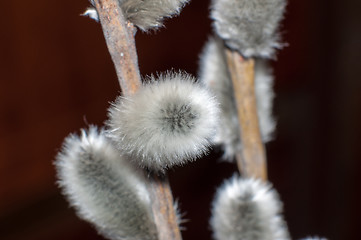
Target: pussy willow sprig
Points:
(119, 31)
(247, 207)
(249, 28)
(180, 106)
(117, 178)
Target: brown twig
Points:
(119, 36)
(252, 159)
(163, 209)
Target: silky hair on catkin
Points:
(169, 121)
(145, 14)
(249, 26)
(104, 188)
(247, 209)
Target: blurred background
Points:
(57, 77)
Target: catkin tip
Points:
(247, 209)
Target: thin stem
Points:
(119, 36)
(163, 208)
(252, 159)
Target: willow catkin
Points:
(249, 26)
(247, 209)
(104, 188)
(170, 120)
(145, 14)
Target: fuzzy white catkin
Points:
(247, 209)
(104, 188)
(147, 14)
(167, 122)
(249, 26)
(214, 74)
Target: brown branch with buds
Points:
(119, 36)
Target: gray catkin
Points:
(146, 14)
(149, 14)
(247, 209)
(104, 188)
(249, 26)
(169, 121)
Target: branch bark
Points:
(252, 159)
(163, 208)
(119, 36)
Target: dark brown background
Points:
(57, 76)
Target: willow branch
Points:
(119, 36)
(252, 159)
(163, 209)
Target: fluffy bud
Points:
(167, 122)
(148, 14)
(215, 75)
(247, 209)
(104, 189)
(249, 26)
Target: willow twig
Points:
(119, 36)
(163, 209)
(252, 159)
